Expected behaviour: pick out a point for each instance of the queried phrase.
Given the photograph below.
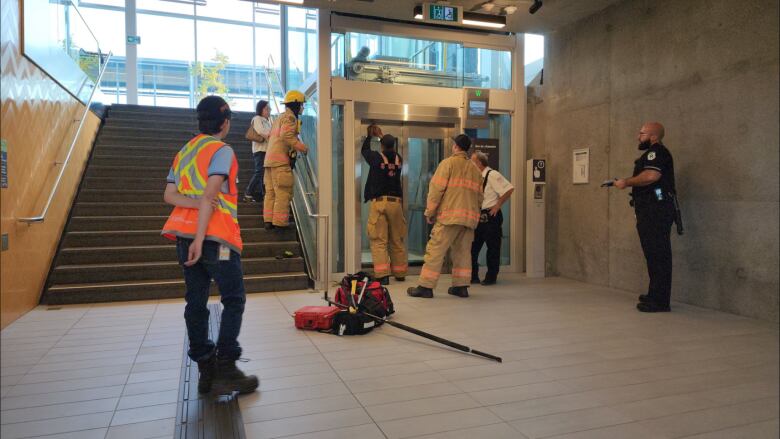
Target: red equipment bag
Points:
(376, 299)
(316, 317)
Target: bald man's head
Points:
(654, 129)
(651, 133)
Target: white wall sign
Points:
(580, 165)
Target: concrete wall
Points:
(708, 70)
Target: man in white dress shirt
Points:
(497, 191)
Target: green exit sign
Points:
(444, 13)
(133, 39)
(478, 93)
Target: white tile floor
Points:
(579, 362)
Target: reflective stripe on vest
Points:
(190, 172)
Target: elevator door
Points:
(422, 149)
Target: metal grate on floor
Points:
(203, 416)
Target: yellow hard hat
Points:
(294, 96)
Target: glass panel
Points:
(390, 59)
(423, 155)
(187, 8)
(534, 56)
(165, 63)
(225, 63)
(337, 190)
(487, 68)
(337, 55)
(500, 127)
(60, 42)
(226, 10)
(306, 190)
(301, 45)
(267, 50)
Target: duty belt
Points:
(388, 198)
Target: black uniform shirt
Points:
(656, 158)
(383, 179)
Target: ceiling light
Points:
(509, 10)
(488, 6)
(418, 15)
(295, 2)
(483, 23)
(484, 20)
(535, 7)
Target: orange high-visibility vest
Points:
(191, 171)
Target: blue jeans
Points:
(255, 187)
(230, 280)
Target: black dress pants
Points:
(654, 223)
(488, 233)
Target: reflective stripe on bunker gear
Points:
(190, 172)
(455, 192)
(283, 139)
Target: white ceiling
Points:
(554, 13)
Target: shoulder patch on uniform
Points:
(651, 155)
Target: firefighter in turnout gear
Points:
(283, 146)
(386, 223)
(454, 200)
(204, 223)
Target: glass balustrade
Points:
(401, 60)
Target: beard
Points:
(644, 145)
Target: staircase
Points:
(112, 250)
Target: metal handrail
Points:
(323, 263)
(42, 216)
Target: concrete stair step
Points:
(130, 196)
(163, 289)
(151, 109)
(152, 161)
(123, 238)
(168, 140)
(157, 182)
(148, 171)
(131, 271)
(149, 222)
(166, 151)
(171, 124)
(162, 253)
(138, 208)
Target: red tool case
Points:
(315, 317)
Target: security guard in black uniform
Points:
(386, 226)
(653, 197)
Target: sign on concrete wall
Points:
(580, 165)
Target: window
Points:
(401, 60)
(301, 45)
(534, 56)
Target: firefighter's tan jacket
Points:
(283, 139)
(455, 192)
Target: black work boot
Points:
(230, 378)
(420, 292)
(400, 278)
(384, 280)
(268, 226)
(459, 291)
(207, 368)
(645, 298)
